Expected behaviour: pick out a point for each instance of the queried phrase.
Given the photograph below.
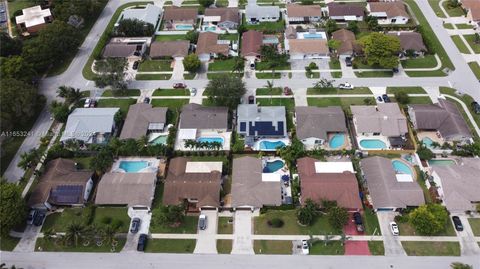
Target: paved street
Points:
(392, 244)
(206, 241)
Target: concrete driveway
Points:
(27, 243)
(132, 239)
(301, 64)
(242, 233)
(393, 246)
(206, 242)
(468, 245)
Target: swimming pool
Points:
(133, 166)
(210, 139)
(268, 145)
(441, 162)
(312, 36)
(270, 40)
(210, 28)
(183, 27)
(427, 141)
(372, 144)
(401, 168)
(159, 140)
(337, 141)
(274, 166)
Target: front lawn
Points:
(424, 248)
(170, 245)
(170, 103)
(460, 45)
(49, 245)
(224, 246)
(123, 104)
(407, 229)
(453, 12)
(171, 92)
(427, 61)
(8, 243)
(326, 91)
(170, 37)
(376, 247)
(153, 76)
(420, 100)
(435, 4)
(475, 225)
(475, 68)
(189, 226)
(345, 102)
(464, 26)
(435, 73)
(289, 104)
(225, 225)
(222, 65)
(409, 90)
(272, 247)
(155, 65)
(266, 91)
(126, 93)
(268, 75)
(374, 74)
(331, 248)
(370, 220)
(471, 41)
(264, 65)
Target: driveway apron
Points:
(206, 242)
(242, 233)
(393, 246)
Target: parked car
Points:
(202, 222)
(135, 65)
(305, 248)
(458, 223)
(146, 100)
(252, 65)
(135, 225)
(251, 99)
(87, 102)
(179, 86)
(142, 241)
(395, 70)
(39, 218)
(379, 99)
(287, 91)
(93, 103)
(357, 218)
(348, 61)
(385, 98)
(31, 216)
(476, 107)
(193, 91)
(345, 86)
(394, 228)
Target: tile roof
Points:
(226, 14)
(344, 9)
(180, 14)
(348, 42)
(308, 46)
(251, 43)
(410, 41)
(119, 50)
(208, 43)
(256, 11)
(295, 10)
(392, 9)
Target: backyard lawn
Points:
(460, 45)
(428, 61)
(46, 245)
(270, 27)
(153, 76)
(475, 68)
(475, 225)
(83, 162)
(272, 247)
(170, 37)
(471, 41)
(123, 104)
(424, 248)
(224, 226)
(409, 90)
(171, 92)
(356, 90)
(224, 246)
(189, 226)
(266, 91)
(170, 245)
(376, 247)
(222, 65)
(155, 65)
(331, 248)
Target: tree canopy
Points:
(112, 73)
(402, 97)
(338, 217)
(10, 46)
(225, 90)
(16, 67)
(134, 27)
(169, 215)
(206, 3)
(191, 63)
(381, 49)
(429, 219)
(86, 9)
(12, 206)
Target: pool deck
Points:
(432, 135)
(287, 191)
(153, 164)
(226, 136)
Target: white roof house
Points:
(149, 14)
(33, 16)
(86, 124)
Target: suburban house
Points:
(379, 127)
(393, 12)
(348, 45)
(150, 14)
(387, 189)
(251, 187)
(331, 181)
(180, 19)
(444, 118)
(197, 185)
(344, 12)
(303, 14)
(458, 185)
(226, 18)
(255, 14)
(209, 46)
(300, 49)
(255, 121)
(251, 43)
(316, 126)
(472, 7)
(410, 42)
(61, 184)
(132, 48)
(143, 119)
(33, 19)
(169, 49)
(90, 125)
(203, 124)
(126, 189)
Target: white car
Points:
(305, 248)
(345, 86)
(193, 91)
(88, 101)
(394, 228)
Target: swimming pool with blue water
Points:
(373, 144)
(274, 166)
(337, 141)
(133, 166)
(269, 145)
(401, 168)
(210, 139)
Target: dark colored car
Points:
(142, 241)
(395, 70)
(39, 218)
(251, 99)
(31, 216)
(385, 98)
(379, 98)
(476, 107)
(135, 225)
(135, 65)
(146, 100)
(458, 223)
(93, 103)
(357, 218)
(202, 222)
(287, 91)
(179, 86)
(348, 61)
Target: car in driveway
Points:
(146, 100)
(39, 218)
(457, 223)
(345, 86)
(135, 65)
(287, 91)
(202, 222)
(394, 228)
(31, 216)
(379, 99)
(385, 98)
(251, 99)
(179, 86)
(135, 225)
(475, 107)
(305, 247)
(357, 218)
(348, 61)
(87, 103)
(142, 242)
(193, 91)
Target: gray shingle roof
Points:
(318, 121)
(176, 48)
(149, 14)
(138, 118)
(256, 11)
(384, 118)
(410, 41)
(119, 50)
(83, 122)
(195, 116)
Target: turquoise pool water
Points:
(312, 36)
(441, 162)
(337, 141)
(274, 166)
(427, 142)
(401, 168)
(373, 144)
(133, 166)
(160, 140)
(184, 27)
(210, 139)
(210, 28)
(267, 145)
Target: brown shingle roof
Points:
(348, 45)
(384, 118)
(294, 10)
(307, 46)
(207, 43)
(195, 116)
(139, 117)
(251, 43)
(473, 7)
(119, 50)
(410, 41)
(180, 14)
(226, 14)
(318, 121)
(392, 9)
(177, 48)
(335, 9)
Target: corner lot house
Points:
(389, 12)
(319, 126)
(348, 45)
(251, 187)
(255, 14)
(301, 49)
(387, 189)
(345, 12)
(410, 42)
(203, 124)
(226, 18)
(61, 184)
(143, 120)
(332, 181)
(458, 184)
(472, 7)
(169, 49)
(150, 14)
(303, 14)
(195, 184)
(209, 46)
(90, 125)
(180, 19)
(33, 19)
(379, 127)
(132, 48)
(443, 118)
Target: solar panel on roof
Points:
(66, 194)
(265, 128)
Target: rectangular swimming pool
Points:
(210, 139)
(183, 27)
(133, 166)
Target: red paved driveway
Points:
(357, 248)
(350, 228)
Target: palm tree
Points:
(459, 265)
(27, 159)
(74, 233)
(115, 145)
(142, 143)
(239, 64)
(49, 234)
(109, 233)
(270, 89)
(70, 94)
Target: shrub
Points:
(87, 215)
(338, 217)
(106, 220)
(402, 97)
(275, 223)
(117, 223)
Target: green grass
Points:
(409, 90)
(221, 3)
(153, 76)
(423, 248)
(374, 74)
(130, 92)
(407, 229)
(224, 227)
(475, 225)
(51, 246)
(231, 37)
(319, 226)
(170, 245)
(189, 226)
(83, 162)
(8, 243)
(335, 65)
(288, 103)
(436, 73)
(265, 91)
(471, 41)
(170, 103)
(272, 247)
(155, 65)
(224, 246)
(170, 37)
(219, 75)
(345, 102)
(435, 4)
(376, 247)
(123, 104)
(448, 26)
(464, 26)
(427, 61)
(332, 248)
(460, 45)
(264, 65)
(268, 75)
(189, 76)
(278, 26)
(453, 12)
(420, 100)
(371, 222)
(356, 90)
(222, 65)
(171, 92)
